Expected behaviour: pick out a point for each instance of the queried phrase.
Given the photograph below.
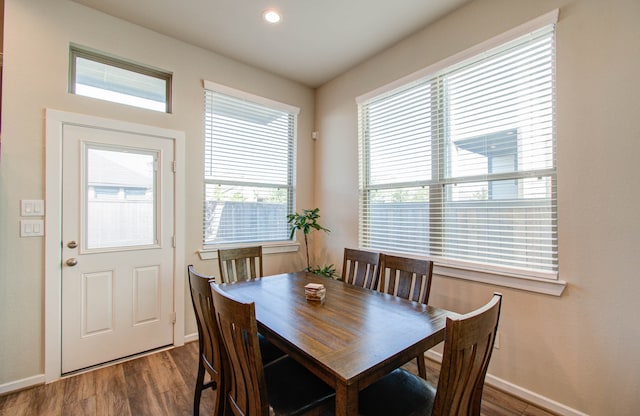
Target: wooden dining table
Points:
(349, 340)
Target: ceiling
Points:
(315, 41)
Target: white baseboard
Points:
(520, 392)
(190, 337)
(21, 384)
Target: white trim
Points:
(529, 280)
(223, 89)
(180, 233)
(528, 283)
(53, 247)
(21, 384)
(211, 252)
(191, 337)
(532, 397)
(520, 392)
(55, 120)
(521, 30)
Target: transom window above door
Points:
(97, 75)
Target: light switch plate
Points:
(32, 208)
(31, 228)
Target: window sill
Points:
(211, 252)
(552, 287)
(538, 282)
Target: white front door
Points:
(117, 245)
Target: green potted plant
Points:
(306, 222)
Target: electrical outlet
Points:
(496, 343)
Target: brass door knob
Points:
(72, 262)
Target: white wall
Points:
(36, 43)
(581, 349)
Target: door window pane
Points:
(120, 199)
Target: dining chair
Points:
(360, 268)
(238, 264)
(409, 279)
(283, 388)
(241, 264)
(211, 355)
(468, 345)
(209, 342)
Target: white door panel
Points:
(97, 303)
(146, 294)
(117, 229)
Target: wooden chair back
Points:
(239, 264)
(247, 392)
(409, 279)
(405, 277)
(467, 350)
(211, 351)
(360, 268)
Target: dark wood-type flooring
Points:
(163, 384)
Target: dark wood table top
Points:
(351, 339)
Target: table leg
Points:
(347, 400)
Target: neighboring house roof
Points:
(119, 169)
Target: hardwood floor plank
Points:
(17, 400)
(111, 391)
(46, 400)
(82, 407)
(17, 410)
(141, 390)
(79, 388)
(176, 403)
(185, 359)
(500, 399)
(165, 373)
(163, 384)
(179, 393)
(492, 409)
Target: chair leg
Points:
(422, 368)
(221, 401)
(199, 386)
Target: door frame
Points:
(55, 120)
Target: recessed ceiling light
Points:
(271, 16)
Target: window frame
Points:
(543, 282)
(76, 51)
(209, 251)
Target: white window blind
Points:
(248, 169)
(460, 164)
